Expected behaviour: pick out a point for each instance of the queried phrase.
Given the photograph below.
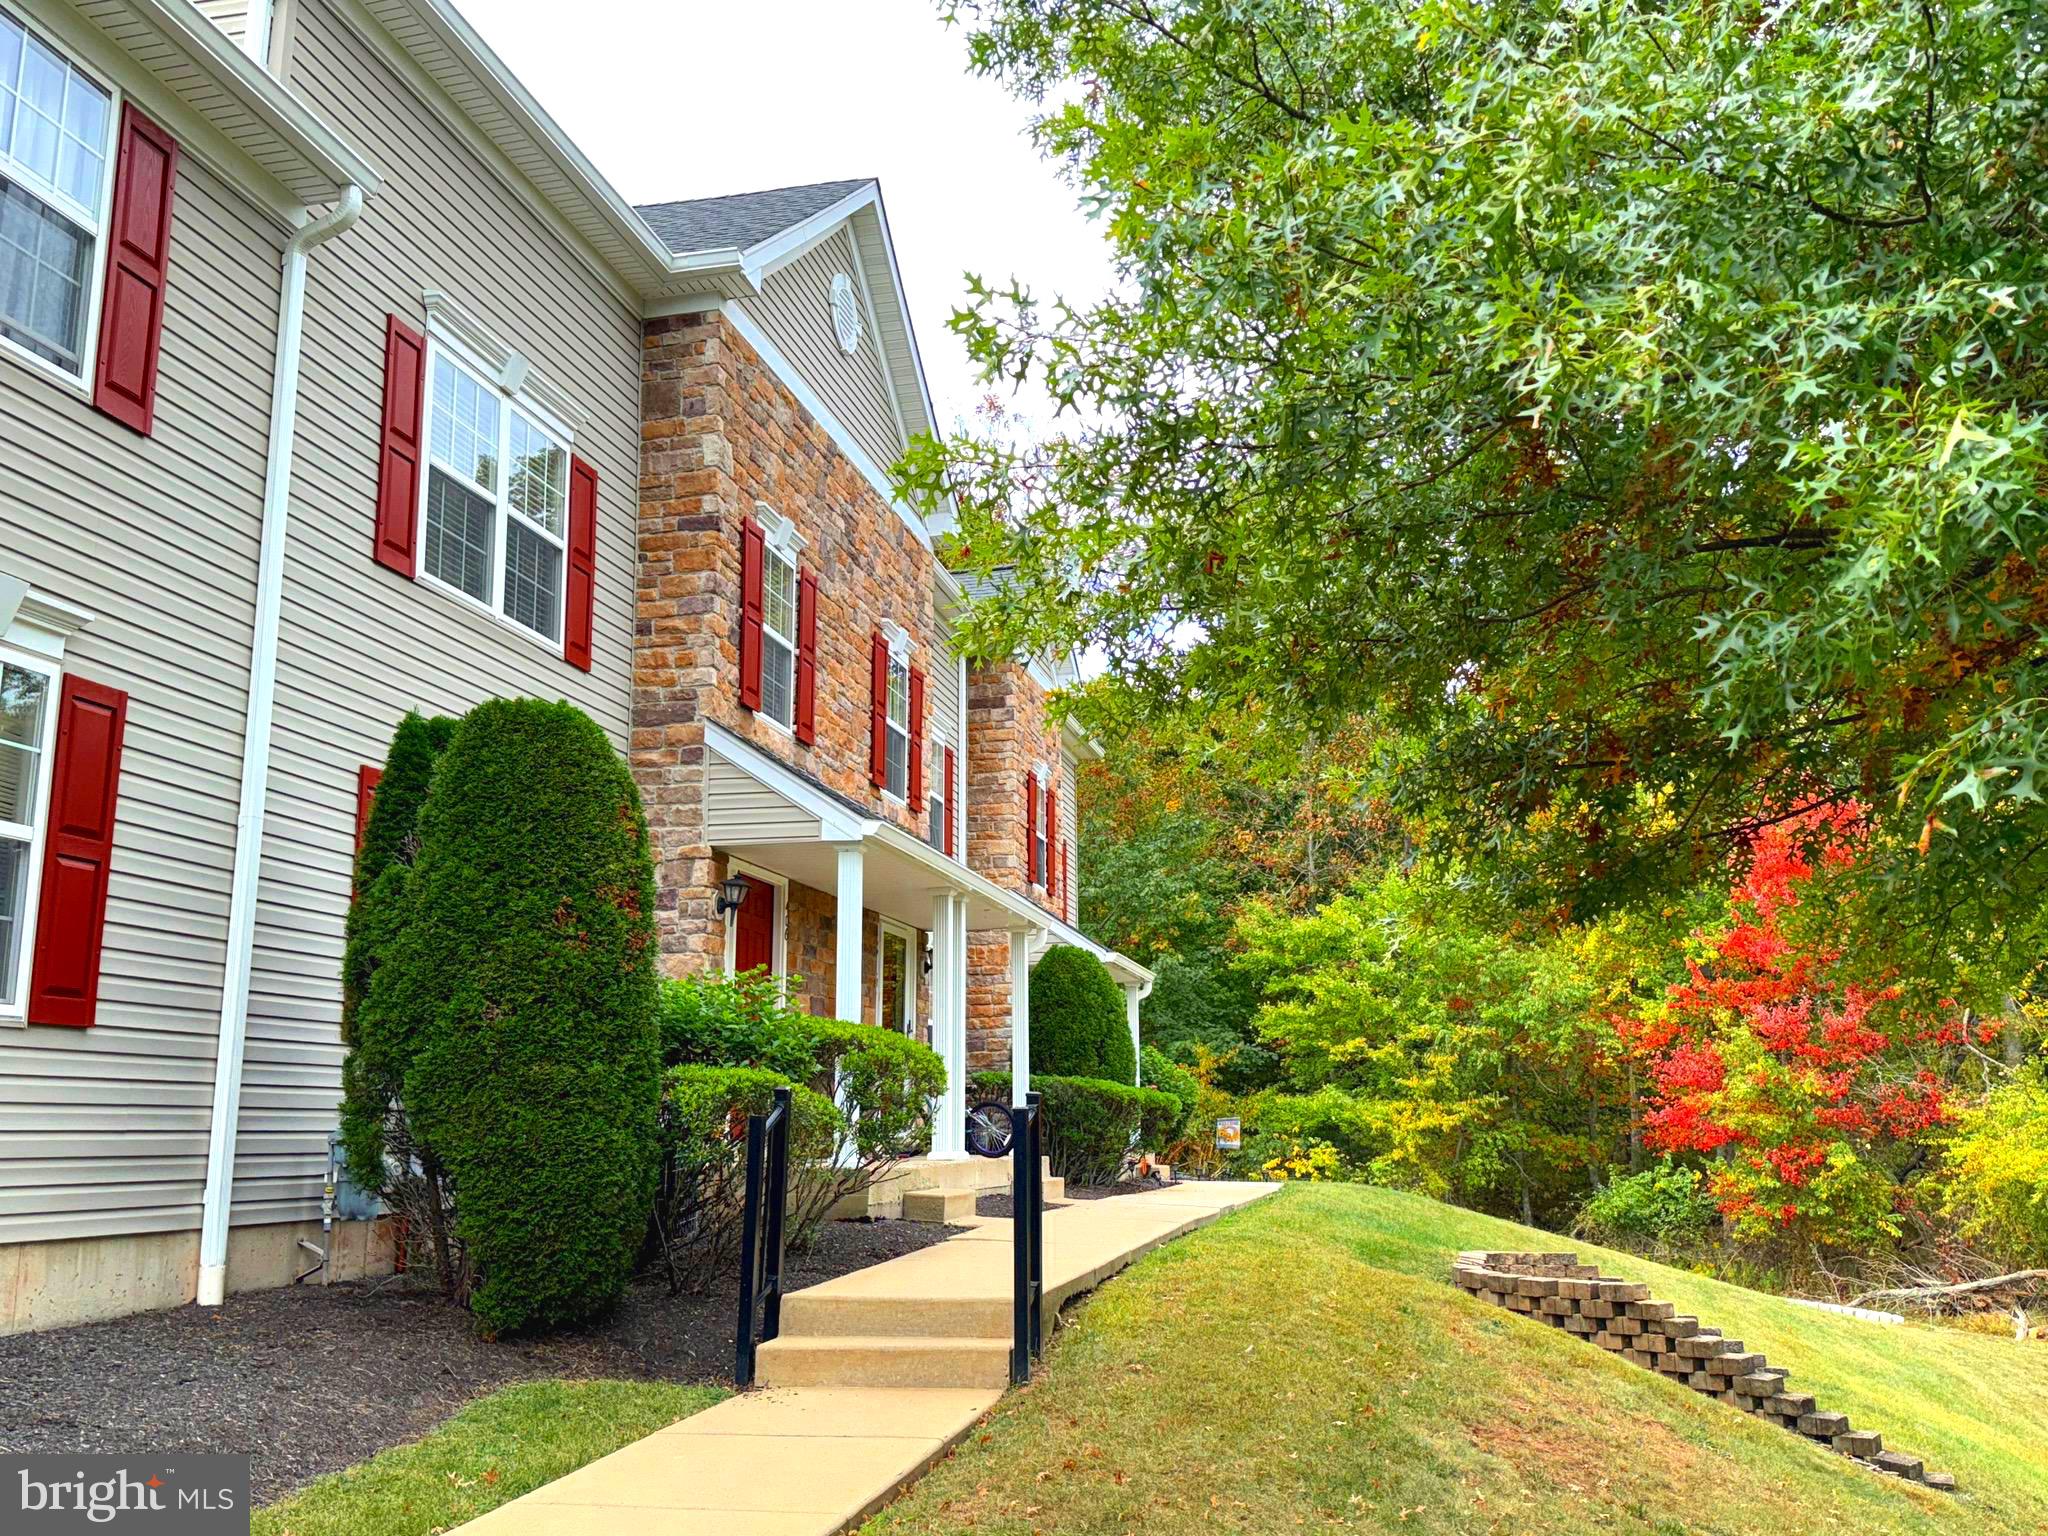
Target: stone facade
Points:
(1010, 734)
(720, 433)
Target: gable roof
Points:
(754, 233)
(742, 219)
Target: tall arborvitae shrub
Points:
(373, 1072)
(529, 966)
(1079, 1026)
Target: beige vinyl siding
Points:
(360, 645)
(103, 1130)
(740, 809)
(795, 309)
(231, 16)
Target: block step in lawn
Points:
(871, 1360)
(807, 1315)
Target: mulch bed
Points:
(311, 1379)
(999, 1204)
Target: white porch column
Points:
(949, 1033)
(846, 954)
(1020, 1014)
(1134, 994)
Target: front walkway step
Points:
(808, 1314)
(784, 1463)
(1055, 1188)
(940, 1205)
(879, 1360)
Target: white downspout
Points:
(234, 997)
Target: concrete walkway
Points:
(876, 1375)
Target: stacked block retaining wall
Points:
(1621, 1317)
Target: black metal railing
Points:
(761, 1233)
(1027, 1243)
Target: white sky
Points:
(691, 100)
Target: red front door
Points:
(754, 942)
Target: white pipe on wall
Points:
(256, 735)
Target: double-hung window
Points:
(28, 713)
(778, 635)
(897, 765)
(497, 498)
(56, 134)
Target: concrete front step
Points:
(873, 1360)
(810, 1315)
(940, 1205)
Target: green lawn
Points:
(1306, 1364)
(497, 1448)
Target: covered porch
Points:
(866, 921)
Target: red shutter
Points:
(71, 916)
(807, 657)
(878, 711)
(916, 775)
(753, 607)
(1052, 832)
(367, 780)
(578, 615)
(952, 815)
(399, 456)
(1031, 828)
(138, 264)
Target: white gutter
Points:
(256, 734)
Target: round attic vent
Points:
(845, 312)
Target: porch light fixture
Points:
(732, 894)
(927, 959)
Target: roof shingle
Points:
(743, 219)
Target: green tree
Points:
(528, 968)
(1079, 1027)
(1640, 411)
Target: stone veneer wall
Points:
(718, 433)
(1009, 731)
(1622, 1318)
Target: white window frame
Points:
(899, 666)
(775, 557)
(52, 672)
(935, 793)
(510, 398)
(913, 965)
(94, 221)
(1043, 863)
(778, 948)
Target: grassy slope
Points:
(497, 1448)
(1305, 1364)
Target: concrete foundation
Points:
(90, 1279)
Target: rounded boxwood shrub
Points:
(529, 967)
(740, 1021)
(1079, 1027)
(888, 1083)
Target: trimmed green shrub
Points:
(888, 1082)
(1159, 1119)
(735, 1021)
(698, 1214)
(1079, 1027)
(529, 967)
(1090, 1124)
(1155, 1070)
